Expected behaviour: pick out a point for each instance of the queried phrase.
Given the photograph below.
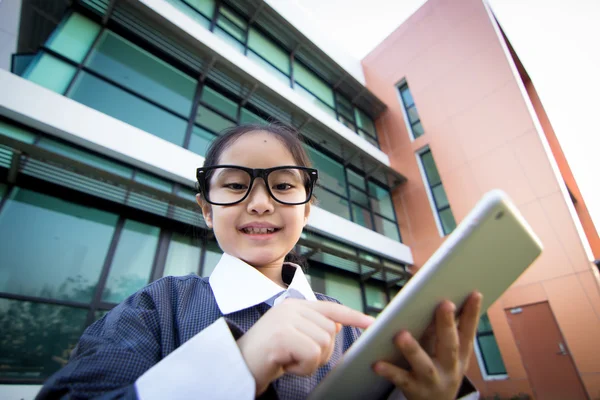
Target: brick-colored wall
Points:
(477, 122)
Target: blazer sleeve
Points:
(121, 357)
(110, 355)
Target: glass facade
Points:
(438, 194)
(279, 61)
(124, 80)
(54, 256)
(67, 261)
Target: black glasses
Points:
(225, 185)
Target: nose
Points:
(259, 201)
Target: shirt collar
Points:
(238, 285)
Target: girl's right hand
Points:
(296, 336)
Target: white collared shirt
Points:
(211, 361)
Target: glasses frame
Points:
(203, 172)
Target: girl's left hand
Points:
(439, 375)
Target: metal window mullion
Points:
(160, 256)
(216, 12)
(395, 220)
(370, 207)
(193, 113)
(292, 58)
(97, 298)
(89, 52)
(43, 300)
(363, 293)
(268, 62)
(9, 189)
(133, 92)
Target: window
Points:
(128, 65)
(212, 255)
(487, 351)
(74, 37)
(331, 173)
(345, 289)
(232, 28)
(106, 98)
(437, 194)
(332, 202)
(205, 7)
(132, 263)
(49, 72)
(375, 295)
(311, 86)
(269, 55)
(200, 140)
(36, 339)
(63, 258)
(183, 257)
(410, 112)
(219, 102)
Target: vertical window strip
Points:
(409, 109)
(487, 349)
(436, 193)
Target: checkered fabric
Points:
(114, 351)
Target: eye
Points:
(283, 186)
(234, 186)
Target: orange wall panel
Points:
(481, 132)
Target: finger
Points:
(422, 365)
(342, 314)
(467, 326)
(299, 354)
(427, 341)
(327, 325)
(316, 317)
(401, 378)
(319, 336)
(446, 350)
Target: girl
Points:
(254, 328)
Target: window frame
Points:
(481, 360)
(429, 191)
(409, 125)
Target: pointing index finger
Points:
(342, 314)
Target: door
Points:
(546, 358)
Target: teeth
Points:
(259, 230)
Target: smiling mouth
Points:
(259, 231)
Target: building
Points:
(107, 108)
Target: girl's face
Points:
(232, 224)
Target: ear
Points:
(306, 212)
(206, 210)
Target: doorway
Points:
(544, 352)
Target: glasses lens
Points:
(289, 185)
(227, 185)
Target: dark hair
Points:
(288, 136)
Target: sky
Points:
(356, 27)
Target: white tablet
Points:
(488, 251)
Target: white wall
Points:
(558, 43)
(10, 15)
